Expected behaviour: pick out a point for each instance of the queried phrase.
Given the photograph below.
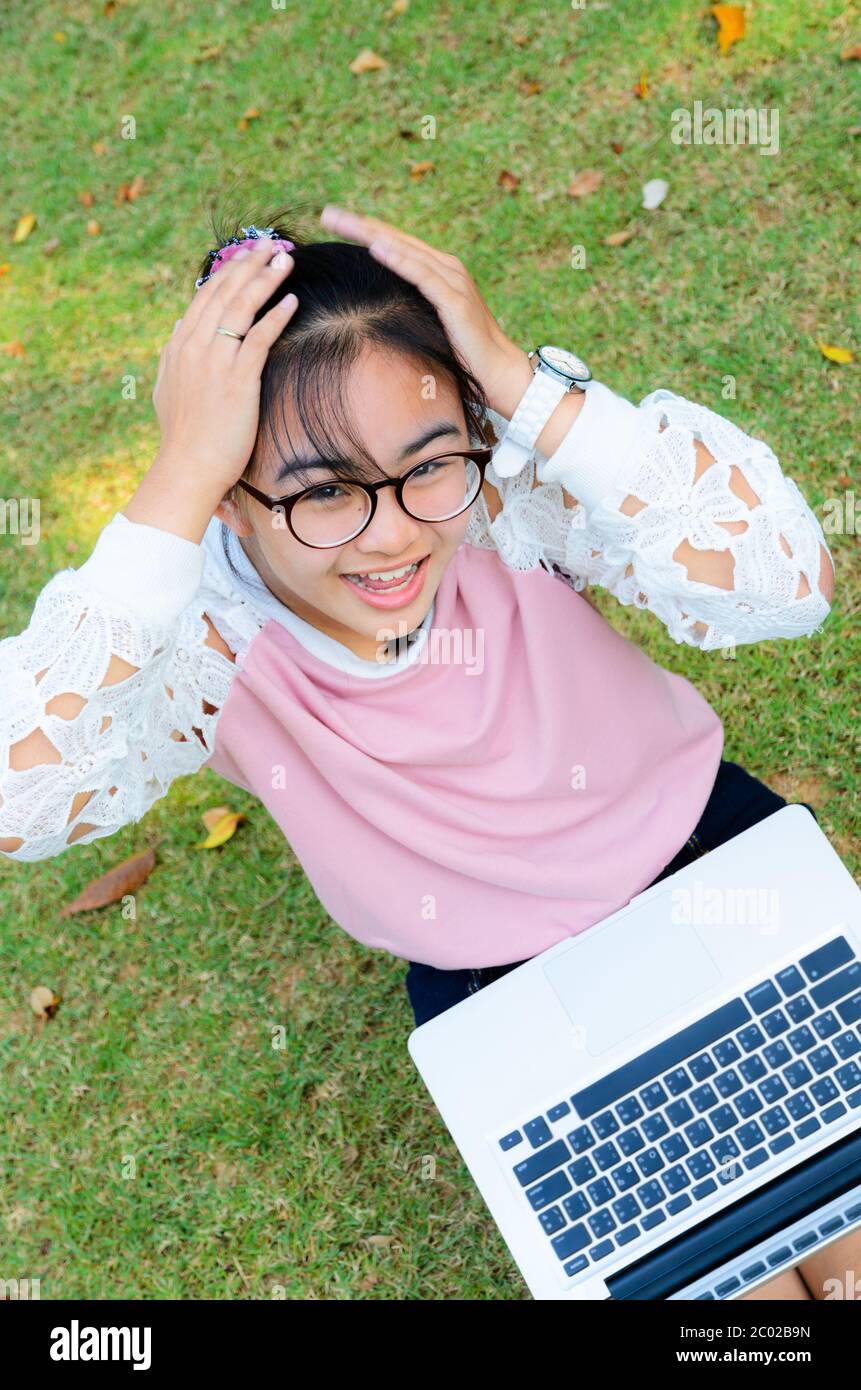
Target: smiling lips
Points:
(389, 588)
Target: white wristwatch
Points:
(555, 372)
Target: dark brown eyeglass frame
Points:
(481, 457)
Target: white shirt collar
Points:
(255, 593)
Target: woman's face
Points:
(391, 415)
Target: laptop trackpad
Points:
(611, 994)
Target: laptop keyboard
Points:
(640, 1147)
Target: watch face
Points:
(565, 362)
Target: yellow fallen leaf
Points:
(13, 349)
(5, 268)
(731, 25)
(59, 36)
(835, 354)
(251, 114)
(418, 171)
(25, 226)
(642, 88)
(619, 238)
(367, 61)
(93, 227)
(584, 183)
(44, 1002)
(223, 831)
(211, 818)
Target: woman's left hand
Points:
(502, 368)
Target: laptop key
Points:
(703, 1098)
(654, 1218)
(606, 1155)
(558, 1111)
(837, 986)
(749, 1135)
(777, 1054)
(581, 1139)
(604, 1125)
(629, 1110)
(653, 1096)
(626, 1208)
(826, 1024)
(727, 1286)
(850, 1009)
(574, 1266)
(700, 1165)
(799, 1105)
(775, 1023)
(723, 1118)
(804, 1242)
(674, 1148)
(826, 958)
(541, 1163)
(581, 1171)
(753, 1160)
(508, 1141)
(654, 1126)
(798, 1075)
(678, 1112)
(799, 1009)
(849, 1076)
(576, 1206)
(700, 1132)
(726, 1052)
(702, 1067)
(822, 1059)
(570, 1241)
(602, 1222)
(625, 1177)
(630, 1233)
(790, 980)
(600, 1191)
(762, 997)
(747, 1104)
(753, 1270)
(824, 1090)
(854, 1100)
(630, 1142)
(677, 1081)
(552, 1220)
(601, 1251)
(777, 1257)
(846, 1044)
(772, 1089)
(808, 1127)
(543, 1193)
(675, 1178)
(678, 1204)
(752, 1068)
(833, 1112)
(751, 1038)
(774, 1120)
(727, 1083)
(537, 1132)
(704, 1189)
(651, 1193)
(785, 1141)
(649, 1162)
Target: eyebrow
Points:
(306, 462)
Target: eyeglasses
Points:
(332, 513)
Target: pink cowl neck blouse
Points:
(520, 781)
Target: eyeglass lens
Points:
(335, 512)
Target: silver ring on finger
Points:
(229, 333)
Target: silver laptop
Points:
(668, 1106)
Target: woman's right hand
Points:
(207, 391)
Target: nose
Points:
(391, 530)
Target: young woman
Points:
(350, 583)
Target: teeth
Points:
(387, 574)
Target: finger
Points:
(259, 338)
(224, 280)
(437, 282)
(244, 296)
(365, 229)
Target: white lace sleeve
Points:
(616, 452)
(138, 597)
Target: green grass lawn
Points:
(154, 1143)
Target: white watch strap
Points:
(534, 409)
